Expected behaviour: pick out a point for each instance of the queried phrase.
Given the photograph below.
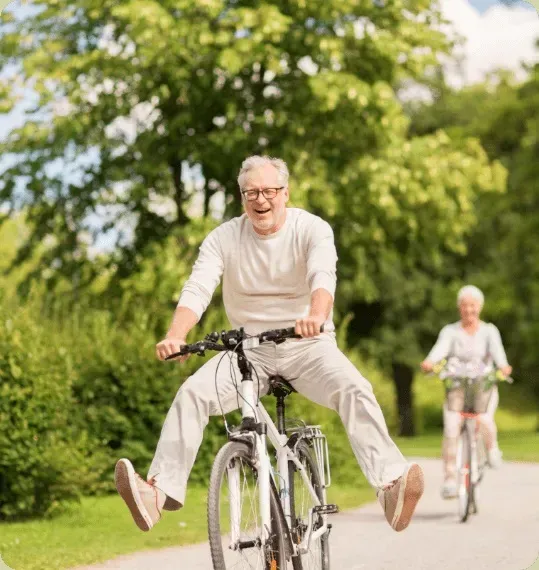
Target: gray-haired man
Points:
(278, 266)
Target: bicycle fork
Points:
(257, 439)
(473, 433)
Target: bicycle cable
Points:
(234, 375)
(217, 393)
(235, 382)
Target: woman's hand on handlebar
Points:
(170, 346)
(506, 370)
(427, 366)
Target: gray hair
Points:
(471, 291)
(256, 161)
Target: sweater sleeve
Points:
(322, 258)
(205, 276)
(495, 346)
(442, 348)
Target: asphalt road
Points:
(504, 535)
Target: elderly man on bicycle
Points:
(278, 266)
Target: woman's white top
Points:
(484, 345)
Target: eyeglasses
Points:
(268, 193)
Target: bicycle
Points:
(468, 389)
(286, 506)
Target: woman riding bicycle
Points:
(468, 340)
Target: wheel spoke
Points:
(233, 474)
(303, 503)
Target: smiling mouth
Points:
(262, 211)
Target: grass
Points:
(101, 528)
(98, 529)
(517, 411)
(516, 446)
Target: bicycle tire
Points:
(274, 556)
(464, 480)
(481, 465)
(320, 559)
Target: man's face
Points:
(469, 309)
(266, 214)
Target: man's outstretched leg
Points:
(181, 437)
(322, 373)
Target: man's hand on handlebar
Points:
(309, 326)
(170, 346)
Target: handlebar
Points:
(494, 375)
(232, 338)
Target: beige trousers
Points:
(316, 368)
(452, 426)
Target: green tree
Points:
(210, 83)
(206, 85)
(503, 251)
(399, 252)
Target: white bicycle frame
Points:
(256, 411)
(472, 426)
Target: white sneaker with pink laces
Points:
(144, 500)
(400, 497)
(495, 457)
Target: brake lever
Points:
(184, 350)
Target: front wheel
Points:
(234, 509)
(301, 501)
(465, 488)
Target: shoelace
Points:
(390, 485)
(154, 489)
(141, 479)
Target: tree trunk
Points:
(179, 194)
(403, 377)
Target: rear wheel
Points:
(301, 501)
(234, 501)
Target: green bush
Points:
(122, 392)
(81, 387)
(45, 458)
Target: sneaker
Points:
(144, 500)
(449, 490)
(399, 498)
(495, 457)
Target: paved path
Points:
(503, 536)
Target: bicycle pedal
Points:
(326, 509)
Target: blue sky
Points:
(494, 38)
(15, 118)
(482, 5)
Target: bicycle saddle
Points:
(278, 386)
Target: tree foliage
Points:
(135, 96)
(503, 251)
(145, 101)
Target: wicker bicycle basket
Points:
(472, 396)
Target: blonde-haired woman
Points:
(467, 340)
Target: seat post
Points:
(280, 388)
(280, 413)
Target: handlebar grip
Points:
(176, 354)
(292, 330)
